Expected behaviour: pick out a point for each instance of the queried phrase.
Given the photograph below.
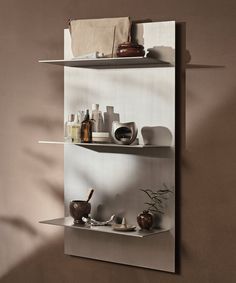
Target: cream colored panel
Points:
(146, 96)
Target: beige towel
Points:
(102, 35)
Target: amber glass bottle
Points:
(86, 129)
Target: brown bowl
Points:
(130, 49)
(79, 209)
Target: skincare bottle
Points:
(81, 115)
(75, 130)
(109, 117)
(68, 128)
(97, 118)
(86, 129)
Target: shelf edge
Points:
(107, 229)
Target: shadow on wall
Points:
(54, 189)
(45, 159)
(18, 223)
(48, 124)
(49, 264)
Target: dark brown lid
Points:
(130, 45)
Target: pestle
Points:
(124, 223)
(90, 195)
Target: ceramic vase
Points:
(145, 220)
(124, 133)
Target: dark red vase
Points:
(145, 220)
(130, 49)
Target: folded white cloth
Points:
(98, 35)
(93, 55)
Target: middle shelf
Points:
(145, 150)
(68, 223)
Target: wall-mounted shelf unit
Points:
(142, 90)
(68, 222)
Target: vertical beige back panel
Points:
(143, 95)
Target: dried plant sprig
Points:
(157, 198)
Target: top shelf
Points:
(111, 63)
(118, 63)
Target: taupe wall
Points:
(31, 175)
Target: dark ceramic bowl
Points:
(130, 49)
(79, 209)
(145, 220)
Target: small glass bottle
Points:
(86, 129)
(68, 128)
(75, 130)
(81, 115)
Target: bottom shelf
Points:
(68, 222)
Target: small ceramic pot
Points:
(79, 209)
(124, 133)
(130, 49)
(145, 220)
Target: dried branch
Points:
(157, 198)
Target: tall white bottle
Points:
(97, 118)
(109, 117)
